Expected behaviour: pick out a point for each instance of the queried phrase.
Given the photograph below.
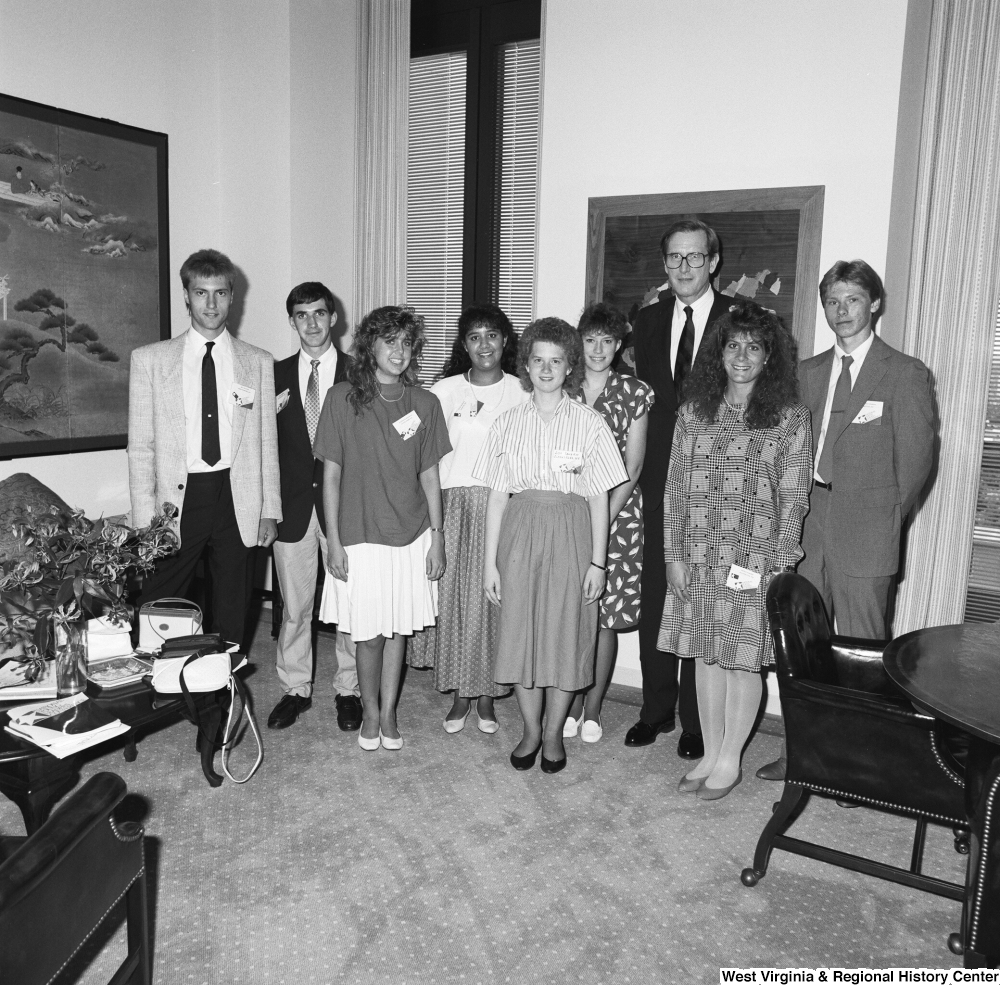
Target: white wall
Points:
(655, 96)
(217, 77)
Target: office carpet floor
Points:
(441, 864)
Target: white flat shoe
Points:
(392, 744)
(457, 724)
(591, 731)
(369, 745)
(571, 727)
(487, 725)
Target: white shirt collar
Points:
(324, 360)
(859, 353)
(195, 340)
(700, 307)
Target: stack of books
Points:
(64, 726)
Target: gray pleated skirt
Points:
(547, 634)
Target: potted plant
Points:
(71, 568)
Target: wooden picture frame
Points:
(770, 245)
(84, 274)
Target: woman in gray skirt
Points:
(549, 464)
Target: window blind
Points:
(983, 598)
(435, 183)
(519, 91)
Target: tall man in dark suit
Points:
(301, 383)
(666, 337)
(873, 422)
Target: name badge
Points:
(281, 401)
(242, 395)
(407, 426)
(872, 411)
(742, 579)
(567, 461)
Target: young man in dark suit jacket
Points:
(873, 424)
(301, 383)
(666, 337)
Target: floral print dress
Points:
(623, 401)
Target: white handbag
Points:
(194, 673)
(165, 619)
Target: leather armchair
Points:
(62, 881)
(852, 735)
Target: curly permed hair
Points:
(604, 318)
(777, 387)
(382, 323)
(482, 316)
(559, 333)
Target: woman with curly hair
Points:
(478, 387)
(737, 492)
(623, 402)
(549, 464)
(381, 437)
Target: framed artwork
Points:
(84, 274)
(770, 243)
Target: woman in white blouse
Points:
(478, 386)
(549, 464)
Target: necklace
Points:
(392, 400)
(473, 386)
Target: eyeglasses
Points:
(674, 260)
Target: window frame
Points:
(478, 27)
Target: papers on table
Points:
(64, 726)
(14, 685)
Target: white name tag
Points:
(242, 395)
(281, 401)
(567, 461)
(872, 411)
(407, 426)
(742, 579)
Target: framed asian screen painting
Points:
(84, 274)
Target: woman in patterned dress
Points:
(478, 386)
(623, 402)
(737, 492)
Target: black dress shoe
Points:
(287, 710)
(642, 734)
(348, 712)
(526, 762)
(690, 746)
(553, 765)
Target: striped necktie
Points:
(312, 401)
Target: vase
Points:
(71, 657)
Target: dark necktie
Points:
(685, 351)
(312, 401)
(210, 453)
(837, 423)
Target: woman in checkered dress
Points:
(736, 495)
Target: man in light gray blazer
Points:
(202, 436)
(873, 423)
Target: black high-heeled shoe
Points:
(553, 765)
(525, 762)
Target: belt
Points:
(823, 485)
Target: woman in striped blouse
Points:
(549, 464)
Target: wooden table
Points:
(953, 673)
(34, 779)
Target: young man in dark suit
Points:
(666, 337)
(873, 424)
(301, 383)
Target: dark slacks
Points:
(208, 518)
(659, 669)
(860, 605)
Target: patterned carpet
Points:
(441, 864)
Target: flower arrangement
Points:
(71, 566)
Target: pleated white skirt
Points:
(386, 592)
